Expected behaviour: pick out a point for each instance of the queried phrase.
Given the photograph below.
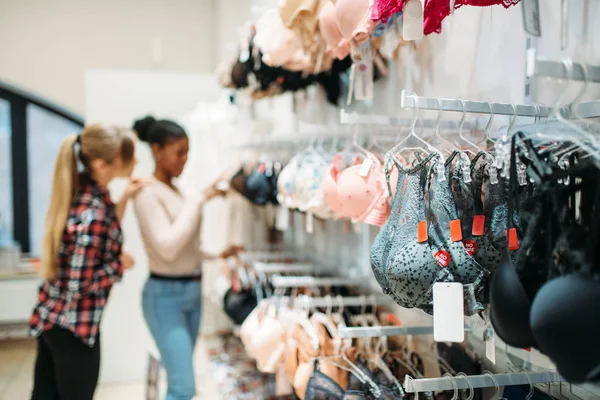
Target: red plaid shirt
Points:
(88, 265)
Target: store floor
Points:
(16, 375)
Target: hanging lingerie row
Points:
(513, 220)
(341, 45)
(324, 340)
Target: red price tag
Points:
(478, 225)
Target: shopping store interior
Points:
(410, 187)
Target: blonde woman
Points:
(81, 260)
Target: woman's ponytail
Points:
(65, 181)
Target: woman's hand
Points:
(126, 260)
(134, 186)
(231, 251)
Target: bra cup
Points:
(301, 378)
(443, 210)
(286, 183)
(308, 191)
(510, 306)
(291, 360)
(328, 25)
(338, 375)
(353, 17)
(383, 241)
(360, 195)
(566, 325)
(495, 209)
(329, 187)
(411, 269)
(411, 272)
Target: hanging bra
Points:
(383, 241)
(510, 302)
(305, 368)
(287, 181)
(411, 268)
(384, 9)
(435, 11)
(349, 194)
(308, 192)
(331, 32)
(301, 16)
(354, 20)
(322, 387)
(445, 234)
(280, 46)
(261, 184)
(564, 318)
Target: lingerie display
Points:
(343, 45)
(509, 217)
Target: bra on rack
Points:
(358, 195)
(308, 192)
(354, 20)
(445, 234)
(331, 32)
(410, 269)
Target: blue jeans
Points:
(172, 312)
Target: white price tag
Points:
(309, 223)
(365, 167)
(282, 219)
(412, 20)
(448, 312)
(490, 348)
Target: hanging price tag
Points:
(422, 235)
(478, 225)
(448, 310)
(282, 219)
(455, 230)
(412, 20)
(365, 167)
(490, 345)
(309, 223)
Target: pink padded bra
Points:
(350, 195)
(336, 46)
(354, 20)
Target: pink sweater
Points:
(170, 225)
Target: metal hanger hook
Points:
(568, 64)
(513, 120)
(583, 90)
(488, 126)
(464, 114)
(496, 385)
(340, 301)
(454, 385)
(415, 111)
(439, 117)
(530, 394)
(464, 376)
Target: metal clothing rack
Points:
(542, 67)
(350, 118)
(377, 331)
(478, 381)
(279, 281)
(333, 301)
(274, 268)
(409, 100)
(590, 109)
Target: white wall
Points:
(48, 45)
